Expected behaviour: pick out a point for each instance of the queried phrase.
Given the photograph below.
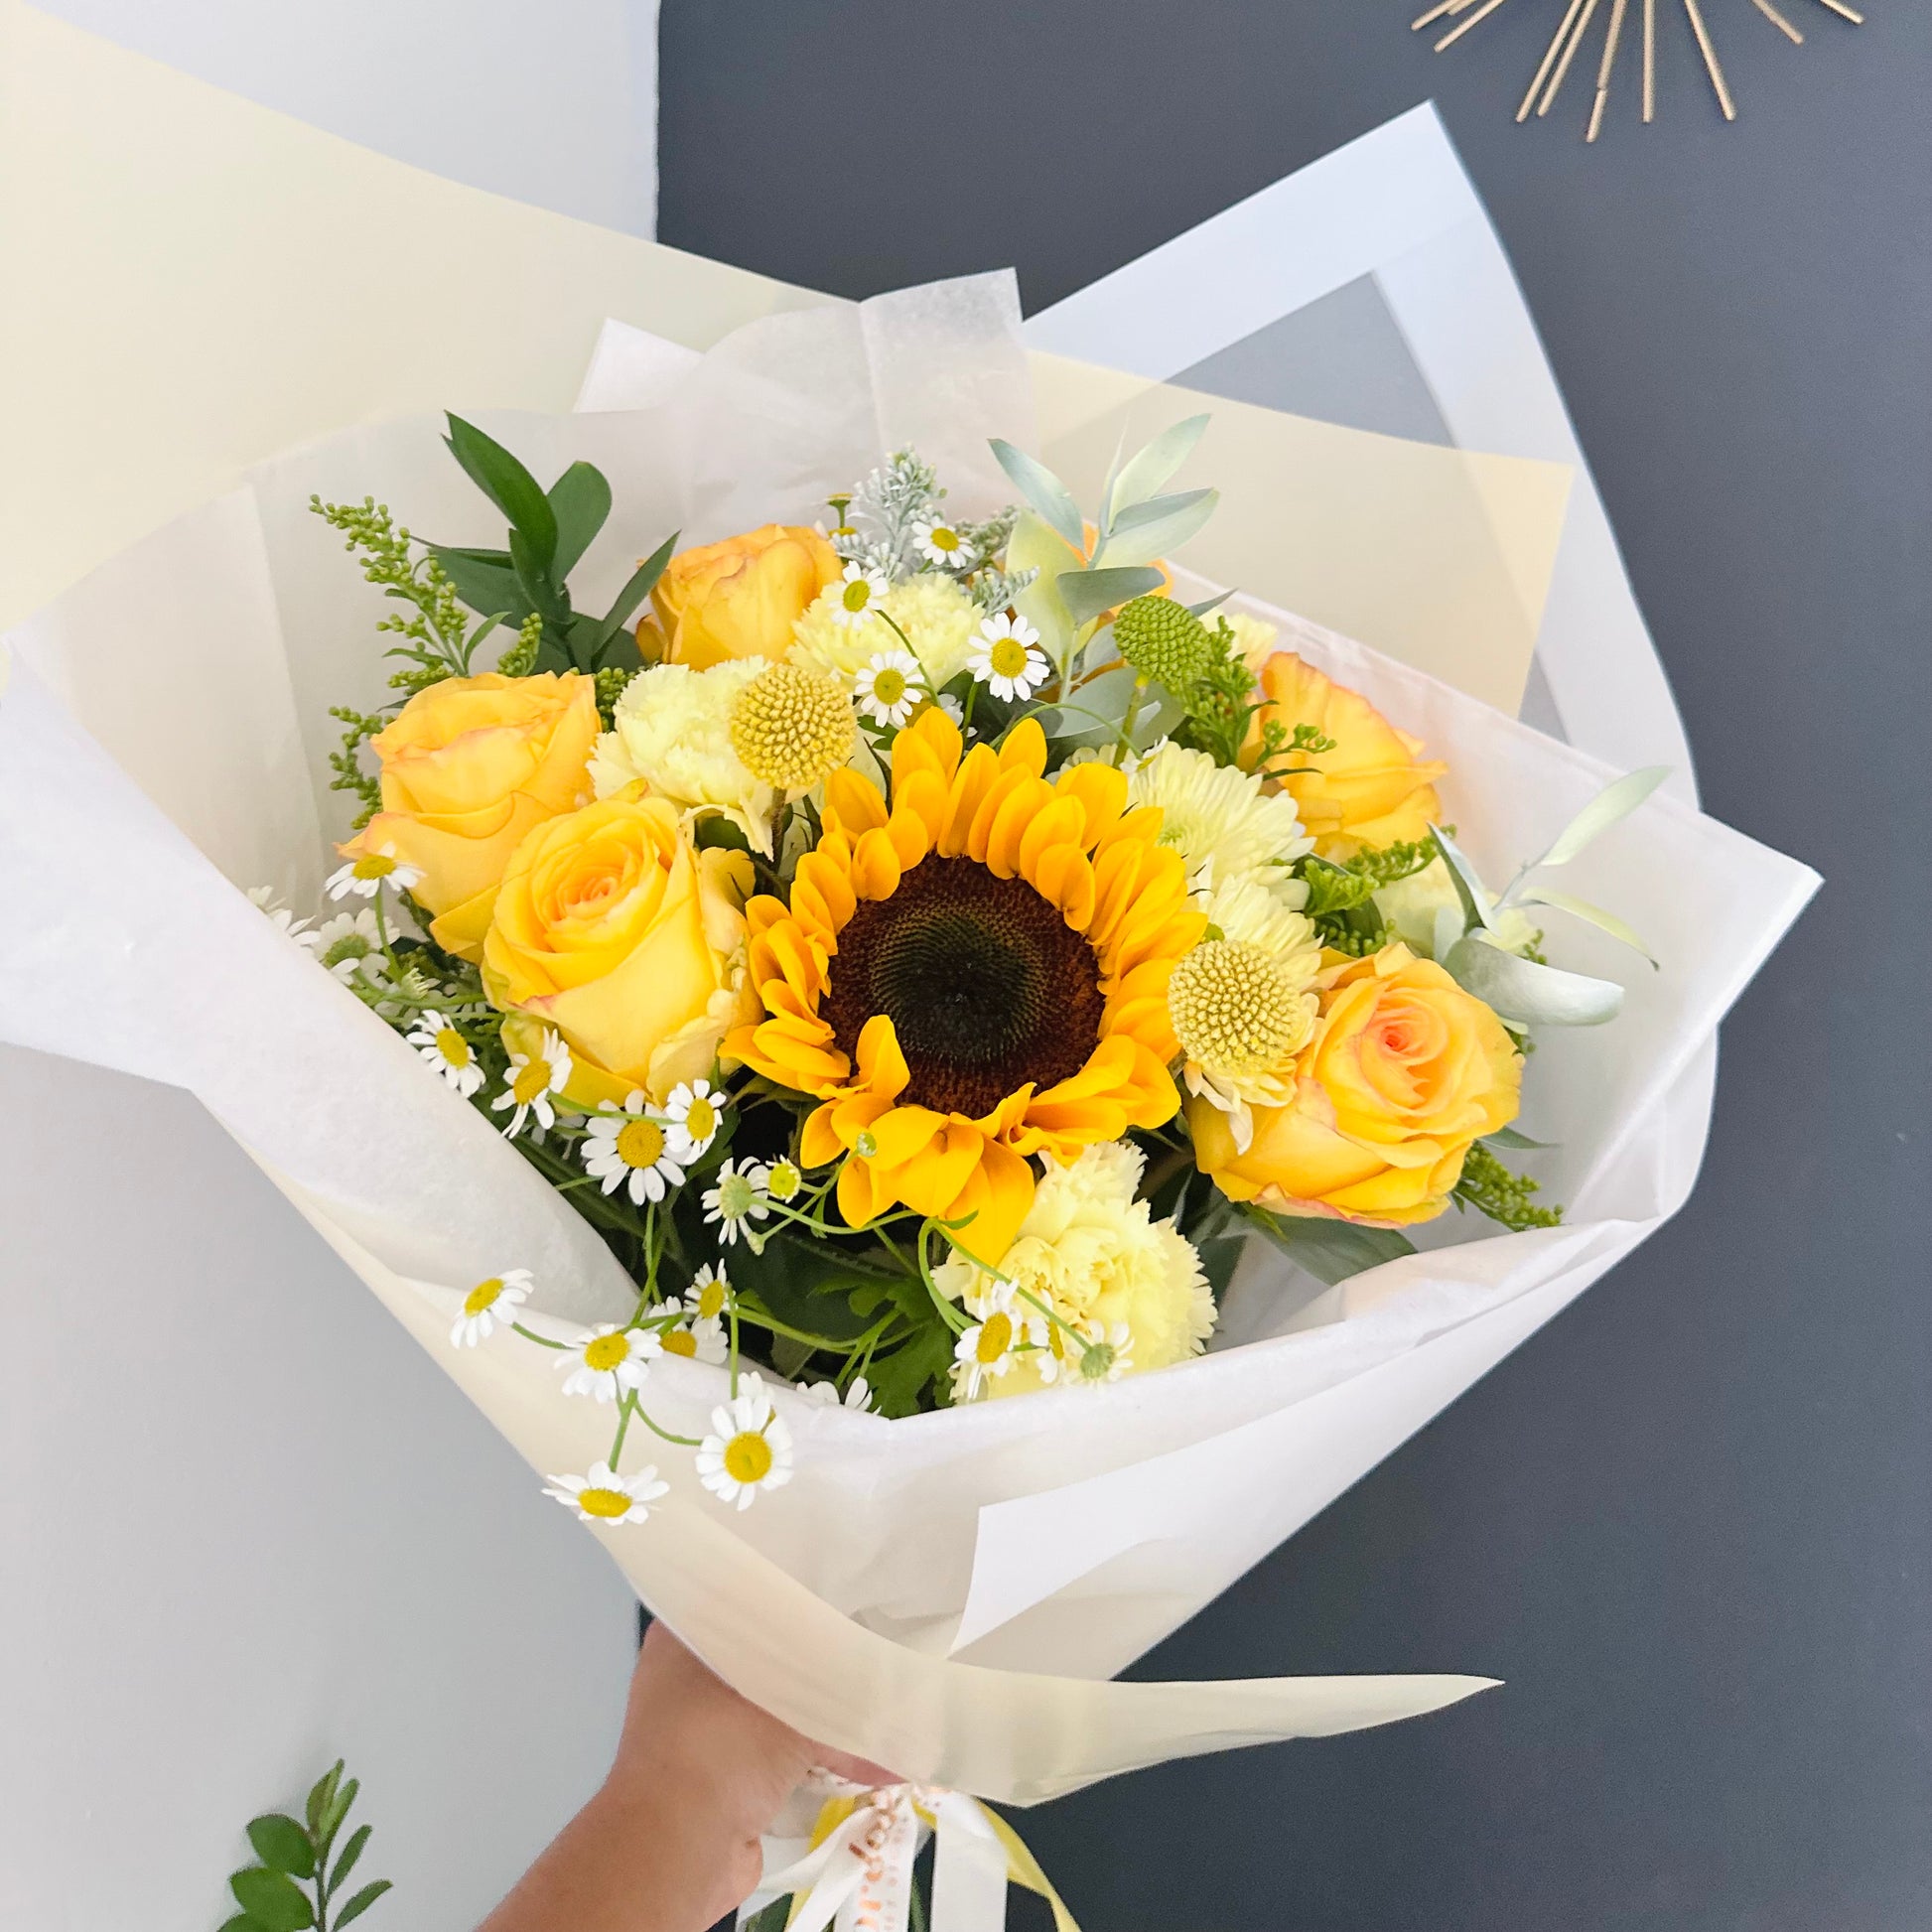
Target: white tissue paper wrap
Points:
(945, 1595)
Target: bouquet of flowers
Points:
(917, 951)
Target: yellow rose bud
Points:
(1373, 788)
(1404, 1070)
(468, 766)
(611, 928)
(739, 598)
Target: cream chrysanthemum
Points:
(1255, 639)
(1095, 1256)
(672, 729)
(1218, 818)
(937, 616)
(792, 728)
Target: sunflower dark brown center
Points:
(985, 985)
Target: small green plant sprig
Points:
(1505, 1196)
(293, 1853)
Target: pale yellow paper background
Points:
(197, 283)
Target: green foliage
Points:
(291, 1854)
(1279, 744)
(520, 659)
(610, 684)
(1330, 1251)
(345, 761)
(1492, 1190)
(1220, 701)
(1341, 900)
(437, 635)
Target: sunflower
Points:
(973, 976)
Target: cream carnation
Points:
(937, 616)
(673, 730)
(1254, 639)
(1218, 818)
(1094, 1255)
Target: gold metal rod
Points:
(1549, 60)
(1568, 54)
(1604, 70)
(1778, 21)
(1649, 60)
(1456, 31)
(1843, 12)
(1711, 60)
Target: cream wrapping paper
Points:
(947, 1594)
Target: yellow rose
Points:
(736, 598)
(468, 766)
(612, 929)
(1373, 788)
(1404, 1070)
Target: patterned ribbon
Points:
(855, 1873)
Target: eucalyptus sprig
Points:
(294, 1853)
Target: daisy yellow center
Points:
(640, 1144)
(608, 1352)
(996, 1337)
(888, 685)
(944, 539)
(482, 1295)
(748, 1457)
(785, 1182)
(681, 1341)
(701, 1119)
(1007, 659)
(711, 1301)
(857, 595)
(373, 865)
(453, 1047)
(603, 1502)
(985, 983)
(1235, 1009)
(530, 1083)
(791, 728)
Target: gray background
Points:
(1688, 1522)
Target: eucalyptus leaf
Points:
(332, 1815)
(508, 485)
(1616, 801)
(580, 499)
(1089, 593)
(1044, 490)
(1581, 909)
(1468, 882)
(534, 578)
(1330, 1251)
(1531, 995)
(282, 1844)
(1154, 529)
(1510, 1137)
(1146, 473)
(1034, 545)
(273, 1900)
(362, 1903)
(643, 580)
(1208, 603)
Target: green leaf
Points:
(1531, 995)
(362, 1903)
(508, 485)
(485, 580)
(1330, 1251)
(241, 1922)
(1153, 528)
(1581, 909)
(581, 501)
(322, 1791)
(280, 1844)
(1088, 593)
(1145, 473)
(534, 578)
(900, 1378)
(1509, 1137)
(332, 1816)
(713, 829)
(1034, 545)
(1218, 1259)
(1616, 801)
(1468, 882)
(643, 580)
(273, 1900)
(353, 1851)
(1044, 490)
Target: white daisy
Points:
(606, 1498)
(943, 544)
(698, 1341)
(858, 1396)
(986, 1349)
(695, 1113)
(1006, 657)
(889, 689)
(349, 945)
(368, 872)
(263, 900)
(738, 1198)
(446, 1050)
(749, 1448)
(609, 1362)
(709, 1294)
(860, 589)
(488, 1302)
(1107, 1356)
(629, 1147)
(952, 708)
(782, 1180)
(533, 1078)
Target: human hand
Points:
(670, 1841)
